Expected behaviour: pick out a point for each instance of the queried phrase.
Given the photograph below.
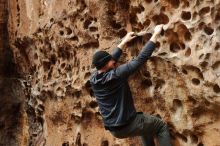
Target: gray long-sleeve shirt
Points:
(112, 91)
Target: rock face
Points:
(47, 99)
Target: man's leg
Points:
(147, 140)
(146, 126)
(155, 126)
(164, 136)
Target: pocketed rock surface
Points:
(47, 99)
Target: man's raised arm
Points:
(127, 69)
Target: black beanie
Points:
(101, 58)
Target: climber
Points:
(110, 86)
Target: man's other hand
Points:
(129, 36)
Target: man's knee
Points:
(163, 130)
(160, 121)
(159, 124)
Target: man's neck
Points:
(102, 70)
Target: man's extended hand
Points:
(126, 39)
(157, 30)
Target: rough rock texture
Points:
(53, 42)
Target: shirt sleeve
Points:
(116, 54)
(130, 67)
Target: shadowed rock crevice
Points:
(12, 92)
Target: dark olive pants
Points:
(147, 127)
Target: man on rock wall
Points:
(111, 89)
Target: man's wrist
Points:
(154, 37)
(121, 45)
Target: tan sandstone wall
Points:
(53, 42)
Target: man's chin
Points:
(112, 68)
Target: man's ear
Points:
(104, 67)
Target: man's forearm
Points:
(154, 38)
(122, 45)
